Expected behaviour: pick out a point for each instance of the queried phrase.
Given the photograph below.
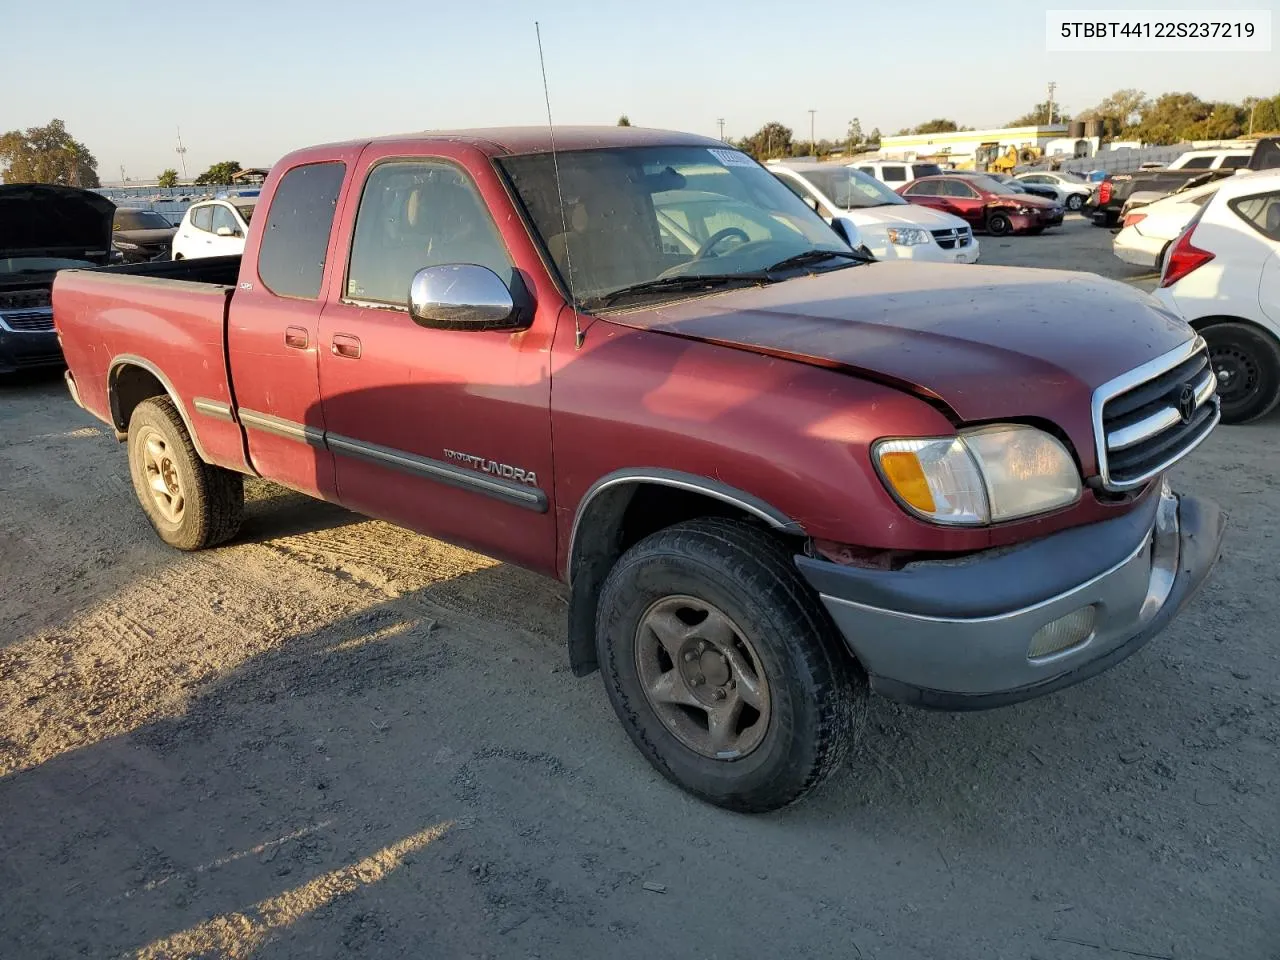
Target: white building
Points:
(970, 148)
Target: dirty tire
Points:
(212, 498)
(998, 225)
(817, 696)
(1250, 361)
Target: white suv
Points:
(1212, 160)
(890, 227)
(1222, 275)
(216, 228)
(897, 172)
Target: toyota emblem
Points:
(1187, 403)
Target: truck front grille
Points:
(1150, 418)
(28, 321)
(951, 239)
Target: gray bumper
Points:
(957, 634)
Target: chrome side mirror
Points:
(464, 296)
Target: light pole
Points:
(721, 122)
(182, 154)
(1052, 87)
(813, 144)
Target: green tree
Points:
(939, 125)
(771, 140)
(874, 137)
(855, 133)
(624, 121)
(1265, 117)
(169, 178)
(219, 173)
(1039, 116)
(1225, 122)
(1124, 107)
(46, 154)
(1173, 117)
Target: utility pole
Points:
(182, 154)
(123, 178)
(813, 144)
(721, 122)
(1251, 113)
(1052, 87)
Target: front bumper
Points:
(22, 350)
(956, 634)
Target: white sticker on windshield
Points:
(732, 158)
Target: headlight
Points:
(1023, 211)
(907, 236)
(126, 245)
(987, 475)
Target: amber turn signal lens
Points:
(907, 477)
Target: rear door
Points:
(927, 193)
(444, 431)
(273, 332)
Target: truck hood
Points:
(989, 343)
(905, 214)
(43, 220)
(148, 237)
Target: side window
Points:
(223, 217)
(926, 189)
(1035, 179)
(202, 218)
(801, 191)
(416, 214)
(1234, 163)
(894, 174)
(958, 188)
(869, 171)
(1262, 212)
(296, 234)
(1198, 163)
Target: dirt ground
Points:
(335, 738)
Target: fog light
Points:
(1062, 634)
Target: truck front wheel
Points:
(723, 667)
(191, 504)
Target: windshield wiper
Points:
(815, 256)
(688, 282)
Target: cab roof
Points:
(508, 141)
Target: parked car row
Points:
(985, 203)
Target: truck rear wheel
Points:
(723, 667)
(191, 504)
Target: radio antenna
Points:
(564, 221)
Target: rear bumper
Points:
(957, 635)
(1132, 247)
(21, 350)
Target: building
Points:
(977, 148)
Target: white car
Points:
(897, 172)
(890, 227)
(1072, 190)
(1212, 160)
(216, 228)
(1147, 232)
(1222, 275)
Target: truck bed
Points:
(145, 328)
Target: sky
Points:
(125, 76)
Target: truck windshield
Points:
(635, 215)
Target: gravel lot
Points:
(335, 738)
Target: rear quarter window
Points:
(1198, 163)
(1261, 211)
(295, 237)
(893, 174)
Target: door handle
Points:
(296, 337)
(345, 345)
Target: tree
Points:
(875, 136)
(937, 126)
(219, 173)
(47, 154)
(1225, 122)
(1265, 116)
(1123, 106)
(1039, 116)
(855, 133)
(624, 121)
(771, 140)
(169, 178)
(1173, 117)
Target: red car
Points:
(986, 203)
(773, 474)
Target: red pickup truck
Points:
(775, 475)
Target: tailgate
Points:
(121, 333)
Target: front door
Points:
(228, 237)
(446, 432)
(962, 200)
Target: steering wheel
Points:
(718, 238)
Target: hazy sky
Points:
(125, 75)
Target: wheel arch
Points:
(132, 379)
(625, 506)
(1200, 324)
